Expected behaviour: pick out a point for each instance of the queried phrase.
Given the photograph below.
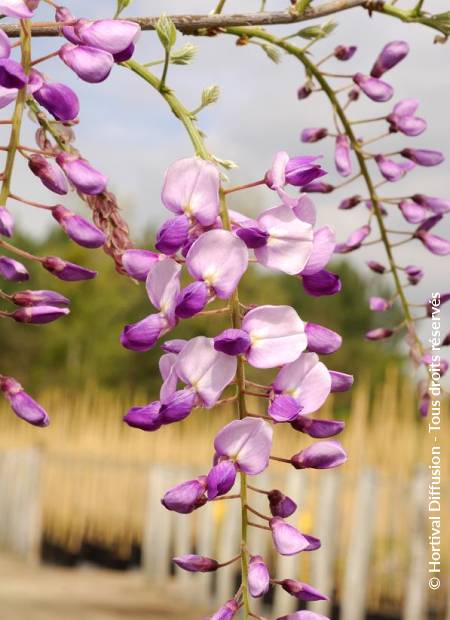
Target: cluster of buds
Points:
(422, 212)
(214, 245)
(93, 48)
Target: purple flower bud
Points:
(138, 263)
(429, 223)
(434, 243)
(322, 283)
(375, 266)
(59, 100)
(89, 63)
(252, 236)
(78, 228)
(354, 241)
(5, 45)
(319, 429)
(284, 408)
(412, 212)
(375, 89)
(232, 341)
(342, 155)
(320, 455)
(191, 300)
(349, 203)
(379, 333)
(408, 125)
(258, 576)
(85, 178)
(141, 336)
(109, 35)
(12, 270)
(39, 298)
(51, 176)
(322, 340)
(302, 591)
(6, 222)
(390, 55)
(318, 188)
(313, 134)
(344, 52)
(39, 314)
(437, 205)
(353, 94)
(303, 615)
(178, 406)
(227, 612)
(304, 91)
(12, 74)
(340, 381)
(390, 169)
(64, 270)
(281, 505)
(186, 497)
(287, 539)
(379, 304)
(172, 235)
(173, 346)
(22, 404)
(196, 563)
(301, 170)
(221, 478)
(414, 274)
(145, 418)
(423, 157)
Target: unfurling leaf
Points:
(121, 5)
(184, 55)
(317, 32)
(210, 95)
(272, 53)
(166, 31)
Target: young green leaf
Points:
(166, 31)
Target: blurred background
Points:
(82, 533)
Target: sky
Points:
(127, 131)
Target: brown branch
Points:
(189, 24)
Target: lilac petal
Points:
(186, 497)
(207, 370)
(169, 376)
(163, 286)
(354, 241)
(302, 170)
(437, 205)
(78, 228)
(191, 186)
(423, 157)
(412, 212)
(172, 235)
(7, 95)
(406, 107)
(434, 243)
(321, 339)
(221, 478)
(410, 125)
(313, 134)
(391, 54)
(375, 89)
(110, 35)
(319, 429)
(59, 100)
(284, 408)
(248, 442)
(258, 576)
(89, 63)
(138, 263)
(302, 591)
(15, 8)
(196, 563)
(304, 615)
(142, 336)
(340, 381)
(290, 240)
(321, 283)
(191, 300)
(379, 304)
(64, 270)
(12, 270)
(276, 177)
(281, 505)
(286, 538)
(6, 222)
(220, 259)
(85, 178)
(12, 74)
(342, 155)
(304, 209)
(324, 242)
(307, 380)
(227, 612)
(22, 404)
(177, 407)
(232, 341)
(320, 455)
(39, 298)
(145, 418)
(173, 346)
(39, 314)
(252, 236)
(51, 176)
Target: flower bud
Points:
(304, 91)
(301, 170)
(39, 298)
(109, 35)
(318, 429)
(390, 55)
(145, 418)
(342, 155)
(22, 404)
(320, 455)
(322, 283)
(12, 270)
(353, 94)
(258, 576)
(437, 205)
(59, 100)
(322, 340)
(6, 222)
(191, 300)
(302, 591)
(89, 63)
(232, 341)
(78, 228)
(379, 333)
(141, 336)
(434, 243)
(375, 266)
(349, 203)
(227, 612)
(313, 134)
(390, 169)
(414, 274)
(281, 505)
(408, 125)
(39, 314)
(196, 563)
(186, 497)
(340, 381)
(252, 236)
(178, 406)
(85, 178)
(52, 177)
(375, 89)
(412, 212)
(379, 304)
(221, 478)
(286, 538)
(172, 235)
(423, 157)
(318, 188)
(12, 74)
(344, 52)
(354, 241)
(138, 263)
(64, 270)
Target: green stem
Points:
(219, 7)
(162, 83)
(14, 139)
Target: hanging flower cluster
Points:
(422, 212)
(93, 48)
(212, 244)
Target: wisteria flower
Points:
(247, 443)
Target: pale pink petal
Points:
(305, 210)
(277, 172)
(168, 374)
(248, 442)
(163, 286)
(323, 247)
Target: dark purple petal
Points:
(322, 283)
(284, 408)
(376, 267)
(349, 203)
(322, 340)
(70, 272)
(340, 381)
(59, 100)
(78, 228)
(39, 314)
(391, 54)
(146, 418)
(172, 235)
(196, 563)
(304, 91)
(318, 188)
(319, 429)
(191, 300)
(12, 74)
(414, 274)
(313, 134)
(22, 404)
(12, 270)
(141, 336)
(178, 406)
(186, 497)
(252, 236)
(39, 298)
(232, 341)
(302, 591)
(344, 52)
(281, 505)
(320, 455)
(302, 170)
(221, 478)
(437, 205)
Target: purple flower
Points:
(402, 118)
(221, 478)
(286, 538)
(177, 406)
(354, 241)
(340, 381)
(191, 187)
(89, 63)
(376, 267)
(423, 157)
(379, 333)
(344, 52)
(109, 35)
(379, 304)
(138, 263)
(78, 228)
(39, 314)
(313, 134)
(186, 497)
(232, 341)
(320, 455)
(302, 591)
(219, 259)
(39, 298)
(412, 212)
(390, 169)
(17, 8)
(414, 274)
(172, 235)
(342, 155)
(295, 171)
(434, 243)
(277, 336)
(52, 177)
(227, 612)
(85, 178)
(391, 54)
(191, 300)
(321, 339)
(247, 443)
(306, 380)
(146, 418)
(6, 222)
(59, 100)
(64, 270)
(142, 336)
(5, 45)
(319, 429)
(375, 89)
(349, 203)
(196, 563)
(12, 74)
(258, 576)
(22, 404)
(12, 270)
(321, 283)
(437, 205)
(281, 505)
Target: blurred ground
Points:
(49, 593)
